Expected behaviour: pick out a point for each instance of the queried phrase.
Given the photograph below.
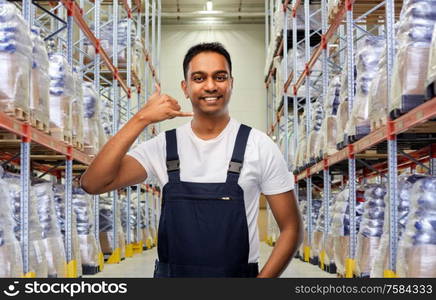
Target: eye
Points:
(197, 78)
(221, 77)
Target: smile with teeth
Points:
(211, 99)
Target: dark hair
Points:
(205, 47)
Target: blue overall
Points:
(203, 228)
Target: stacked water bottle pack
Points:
(10, 251)
(414, 36)
(51, 232)
(371, 228)
(367, 59)
(89, 248)
(15, 61)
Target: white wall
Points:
(245, 44)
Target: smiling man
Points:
(212, 170)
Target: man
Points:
(212, 170)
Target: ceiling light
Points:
(209, 5)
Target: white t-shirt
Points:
(264, 168)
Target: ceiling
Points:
(230, 12)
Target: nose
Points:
(210, 86)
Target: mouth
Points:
(211, 99)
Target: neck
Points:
(209, 127)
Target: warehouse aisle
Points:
(142, 266)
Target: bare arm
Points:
(111, 168)
(287, 215)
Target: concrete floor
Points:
(142, 265)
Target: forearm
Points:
(105, 166)
(285, 248)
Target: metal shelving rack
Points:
(345, 25)
(60, 21)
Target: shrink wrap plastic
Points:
(105, 128)
(83, 207)
(15, 59)
(340, 227)
(10, 251)
(91, 112)
(328, 128)
(37, 259)
(405, 183)
(291, 147)
(106, 42)
(77, 109)
(342, 113)
(61, 93)
(106, 227)
(59, 194)
(132, 222)
(39, 80)
(300, 157)
(316, 204)
(417, 246)
(378, 101)
(51, 233)
(414, 34)
(314, 141)
(431, 73)
(371, 228)
(367, 59)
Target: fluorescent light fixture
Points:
(209, 5)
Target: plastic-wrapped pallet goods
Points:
(39, 82)
(59, 196)
(89, 250)
(414, 35)
(371, 228)
(340, 227)
(417, 247)
(15, 61)
(367, 59)
(10, 251)
(61, 97)
(77, 112)
(106, 227)
(431, 73)
(105, 121)
(316, 204)
(378, 96)
(328, 128)
(51, 233)
(132, 221)
(91, 124)
(405, 183)
(314, 141)
(138, 59)
(37, 250)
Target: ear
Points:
(184, 87)
(231, 82)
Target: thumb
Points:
(157, 88)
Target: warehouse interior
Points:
(345, 88)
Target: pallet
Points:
(62, 135)
(90, 150)
(378, 122)
(408, 102)
(430, 91)
(40, 125)
(18, 114)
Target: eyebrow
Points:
(202, 73)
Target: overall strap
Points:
(173, 162)
(237, 160)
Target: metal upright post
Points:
(116, 254)
(96, 198)
(350, 262)
(285, 78)
(153, 33)
(307, 247)
(25, 176)
(266, 28)
(129, 246)
(294, 80)
(271, 19)
(392, 145)
(326, 172)
(71, 262)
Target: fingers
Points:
(183, 114)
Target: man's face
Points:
(208, 84)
